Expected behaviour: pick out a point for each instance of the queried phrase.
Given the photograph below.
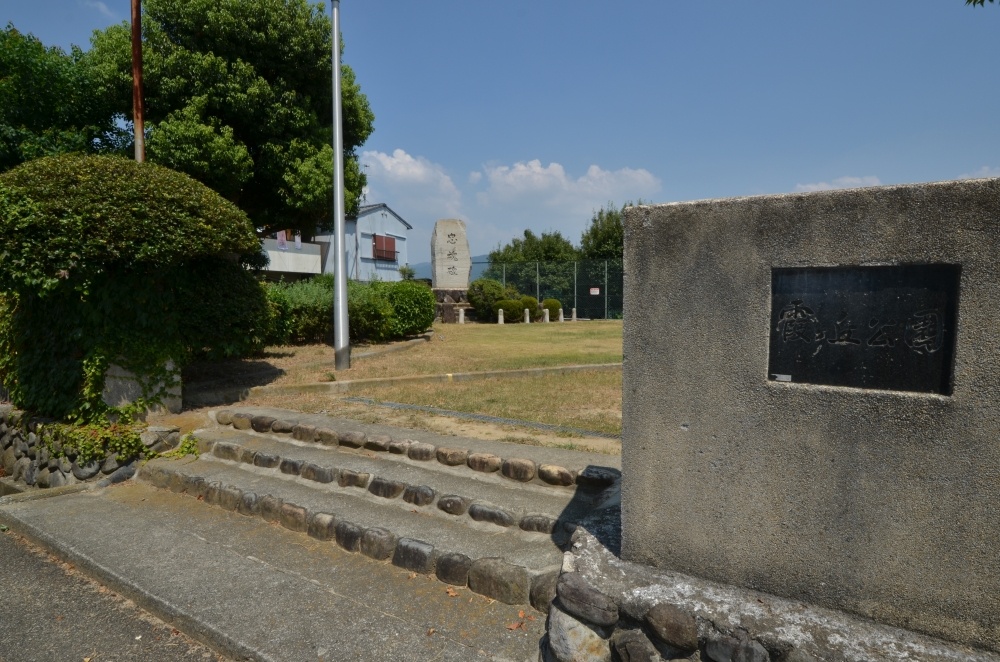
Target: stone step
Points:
(434, 488)
(508, 564)
(545, 466)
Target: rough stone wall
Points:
(877, 502)
(609, 609)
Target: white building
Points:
(375, 242)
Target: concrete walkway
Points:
(254, 590)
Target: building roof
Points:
(365, 210)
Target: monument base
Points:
(449, 302)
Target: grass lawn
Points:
(589, 400)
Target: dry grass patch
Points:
(589, 400)
(452, 348)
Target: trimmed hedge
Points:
(302, 312)
(513, 311)
(105, 260)
(553, 306)
(531, 303)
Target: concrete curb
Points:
(223, 396)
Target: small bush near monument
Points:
(483, 295)
(103, 260)
(553, 306)
(513, 311)
(531, 303)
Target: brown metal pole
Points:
(137, 110)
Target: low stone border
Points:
(517, 469)
(25, 460)
(421, 496)
(491, 577)
(606, 608)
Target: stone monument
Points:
(451, 266)
(812, 400)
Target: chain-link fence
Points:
(593, 287)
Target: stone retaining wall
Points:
(608, 609)
(26, 460)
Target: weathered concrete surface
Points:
(256, 590)
(50, 612)
(876, 502)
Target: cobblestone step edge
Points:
(491, 577)
(421, 496)
(522, 470)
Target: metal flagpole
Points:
(138, 122)
(341, 339)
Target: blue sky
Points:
(534, 113)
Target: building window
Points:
(384, 248)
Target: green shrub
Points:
(531, 303)
(279, 314)
(553, 306)
(414, 306)
(105, 260)
(310, 304)
(369, 311)
(483, 294)
(513, 311)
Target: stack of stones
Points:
(586, 624)
(26, 459)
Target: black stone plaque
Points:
(889, 328)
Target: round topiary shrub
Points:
(531, 303)
(553, 306)
(103, 261)
(483, 294)
(513, 311)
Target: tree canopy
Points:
(981, 3)
(239, 96)
(549, 247)
(47, 103)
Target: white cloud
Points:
(551, 186)
(102, 8)
(840, 182)
(985, 171)
(399, 177)
(500, 201)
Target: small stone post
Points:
(461, 315)
(545, 315)
(561, 317)
(527, 316)
(499, 315)
(574, 315)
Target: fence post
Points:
(574, 286)
(605, 289)
(538, 287)
(503, 265)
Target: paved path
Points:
(50, 612)
(255, 590)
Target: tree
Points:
(604, 239)
(981, 3)
(47, 106)
(239, 96)
(541, 266)
(549, 247)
